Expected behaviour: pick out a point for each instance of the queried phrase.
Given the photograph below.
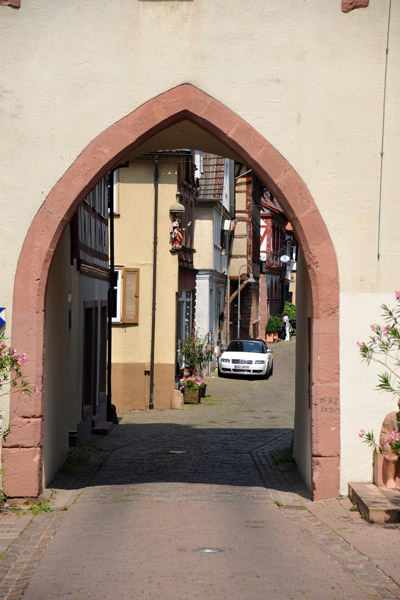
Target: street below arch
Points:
(195, 503)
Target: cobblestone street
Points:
(133, 510)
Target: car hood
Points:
(244, 356)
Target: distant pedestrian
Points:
(286, 326)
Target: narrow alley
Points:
(189, 504)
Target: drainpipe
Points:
(153, 306)
(228, 290)
(229, 247)
(111, 412)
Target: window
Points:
(217, 230)
(130, 296)
(90, 349)
(116, 191)
(126, 294)
(98, 198)
(198, 163)
(211, 310)
(185, 314)
(103, 351)
(116, 308)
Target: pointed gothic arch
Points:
(22, 449)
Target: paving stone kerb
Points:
(165, 483)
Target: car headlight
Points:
(260, 362)
(224, 359)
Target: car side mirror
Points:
(269, 351)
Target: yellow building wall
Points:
(131, 344)
(203, 239)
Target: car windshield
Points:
(246, 346)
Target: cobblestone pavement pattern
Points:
(141, 502)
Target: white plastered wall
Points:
(315, 91)
(61, 362)
(302, 442)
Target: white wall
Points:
(362, 406)
(61, 360)
(202, 303)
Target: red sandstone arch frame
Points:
(22, 450)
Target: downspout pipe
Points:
(154, 295)
(111, 411)
(228, 291)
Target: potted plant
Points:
(383, 347)
(11, 363)
(192, 389)
(197, 353)
(273, 328)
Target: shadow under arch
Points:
(22, 449)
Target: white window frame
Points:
(117, 318)
(116, 192)
(185, 298)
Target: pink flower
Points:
(385, 330)
(395, 435)
(397, 295)
(359, 344)
(361, 433)
(372, 327)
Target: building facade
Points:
(154, 283)
(214, 210)
(76, 333)
(245, 256)
(278, 250)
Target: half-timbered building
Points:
(76, 332)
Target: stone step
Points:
(378, 504)
(101, 427)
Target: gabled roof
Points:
(271, 204)
(211, 180)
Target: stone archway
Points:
(22, 450)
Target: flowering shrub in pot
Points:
(197, 352)
(383, 347)
(193, 388)
(11, 363)
(193, 382)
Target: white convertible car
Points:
(246, 357)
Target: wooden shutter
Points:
(130, 302)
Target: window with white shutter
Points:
(116, 317)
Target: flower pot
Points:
(192, 396)
(270, 337)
